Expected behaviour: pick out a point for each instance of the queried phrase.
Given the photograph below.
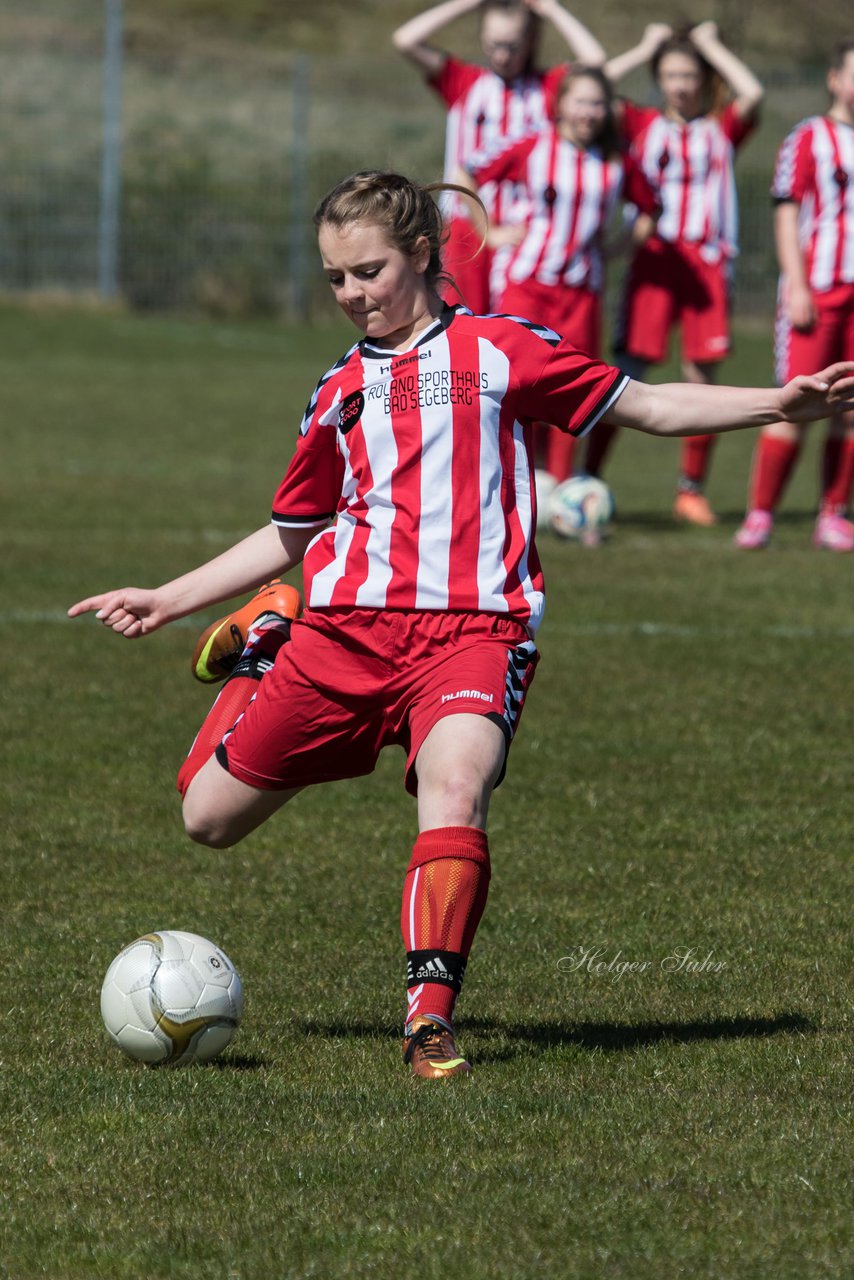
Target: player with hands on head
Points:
(410, 502)
(682, 273)
(573, 174)
(489, 105)
(813, 191)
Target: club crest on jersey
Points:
(350, 411)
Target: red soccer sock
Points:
(598, 447)
(773, 465)
(233, 699)
(444, 895)
(837, 474)
(696, 456)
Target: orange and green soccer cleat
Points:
(219, 648)
(430, 1050)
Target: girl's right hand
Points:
(131, 611)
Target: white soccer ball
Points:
(171, 997)
(581, 508)
(544, 484)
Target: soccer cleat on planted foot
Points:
(693, 508)
(833, 532)
(430, 1050)
(755, 533)
(219, 648)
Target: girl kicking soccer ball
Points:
(410, 503)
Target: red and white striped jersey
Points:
(484, 113)
(690, 167)
(570, 194)
(815, 169)
(425, 457)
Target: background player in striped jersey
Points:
(682, 274)
(813, 190)
(572, 173)
(424, 596)
(487, 106)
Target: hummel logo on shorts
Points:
(467, 693)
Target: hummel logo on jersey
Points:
(467, 693)
(398, 364)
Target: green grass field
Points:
(680, 783)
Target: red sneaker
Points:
(218, 649)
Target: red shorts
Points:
(669, 284)
(469, 265)
(831, 338)
(352, 681)
(576, 314)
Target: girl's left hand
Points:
(830, 391)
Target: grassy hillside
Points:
(766, 31)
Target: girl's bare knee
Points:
(206, 828)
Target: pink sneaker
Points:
(833, 532)
(755, 533)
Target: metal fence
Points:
(188, 181)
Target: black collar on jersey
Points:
(442, 322)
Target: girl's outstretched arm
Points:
(137, 611)
(683, 409)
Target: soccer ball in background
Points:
(582, 508)
(171, 997)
